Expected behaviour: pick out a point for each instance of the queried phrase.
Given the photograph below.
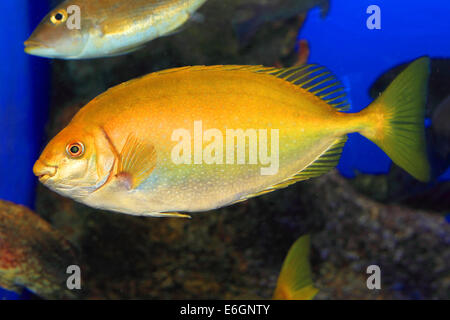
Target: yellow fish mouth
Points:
(44, 178)
(43, 171)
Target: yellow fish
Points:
(295, 282)
(90, 29)
(199, 138)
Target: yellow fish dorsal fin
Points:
(136, 161)
(321, 165)
(295, 281)
(316, 79)
(313, 78)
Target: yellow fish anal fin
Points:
(136, 162)
(324, 163)
(321, 165)
(295, 280)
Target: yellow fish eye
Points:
(59, 17)
(75, 150)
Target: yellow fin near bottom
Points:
(295, 280)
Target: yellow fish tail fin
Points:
(397, 120)
(295, 280)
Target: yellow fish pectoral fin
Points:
(295, 281)
(136, 162)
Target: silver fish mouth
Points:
(31, 44)
(39, 49)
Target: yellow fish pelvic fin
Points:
(168, 215)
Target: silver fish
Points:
(85, 29)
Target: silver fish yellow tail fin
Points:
(295, 281)
(396, 120)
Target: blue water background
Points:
(358, 56)
(24, 96)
